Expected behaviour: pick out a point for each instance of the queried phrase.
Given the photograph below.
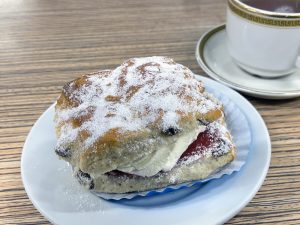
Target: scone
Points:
(145, 125)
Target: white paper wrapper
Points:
(240, 130)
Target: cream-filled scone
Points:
(138, 127)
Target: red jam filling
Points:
(204, 140)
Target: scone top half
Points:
(138, 118)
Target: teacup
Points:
(262, 39)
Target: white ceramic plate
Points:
(213, 57)
(58, 196)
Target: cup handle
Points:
(298, 62)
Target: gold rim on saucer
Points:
(262, 16)
(206, 67)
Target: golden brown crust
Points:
(102, 153)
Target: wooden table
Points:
(44, 44)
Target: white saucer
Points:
(213, 57)
(57, 195)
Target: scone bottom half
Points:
(141, 126)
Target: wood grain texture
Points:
(45, 43)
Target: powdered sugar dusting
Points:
(139, 94)
(68, 133)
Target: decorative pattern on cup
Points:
(264, 17)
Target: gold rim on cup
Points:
(264, 17)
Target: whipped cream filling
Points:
(166, 157)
